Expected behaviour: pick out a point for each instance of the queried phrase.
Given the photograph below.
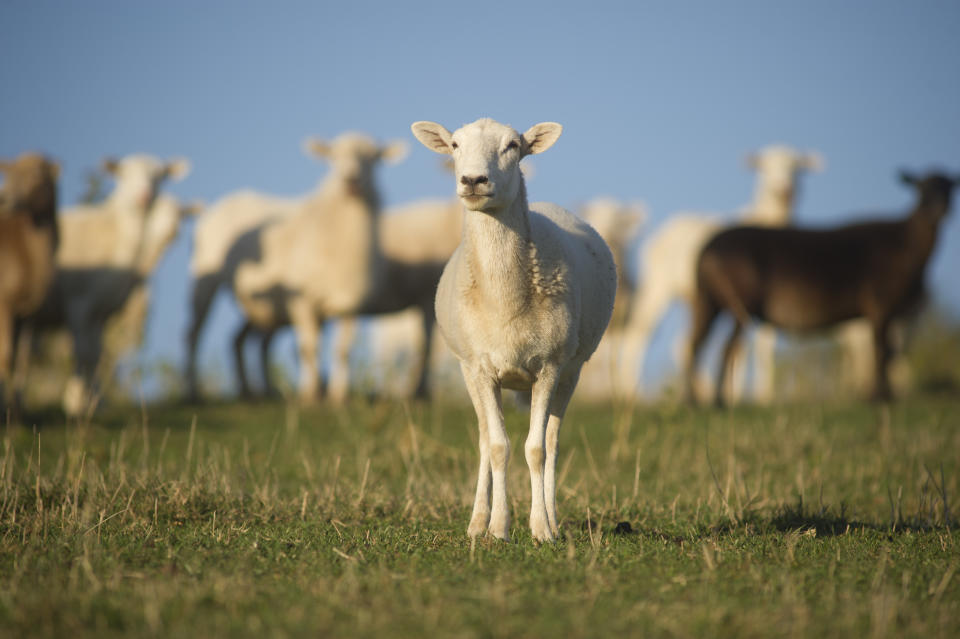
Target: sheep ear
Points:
(178, 168)
(316, 147)
(110, 165)
(908, 178)
(813, 161)
(541, 137)
(394, 152)
(433, 136)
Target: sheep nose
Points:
(473, 181)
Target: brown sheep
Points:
(28, 239)
(805, 280)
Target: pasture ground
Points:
(264, 520)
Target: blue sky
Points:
(660, 100)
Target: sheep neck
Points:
(769, 206)
(498, 252)
(131, 222)
(921, 230)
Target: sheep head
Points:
(778, 167)
(30, 185)
(139, 178)
(353, 158)
(934, 193)
(486, 157)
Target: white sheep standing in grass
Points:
(321, 261)
(522, 303)
(105, 251)
(217, 253)
(669, 259)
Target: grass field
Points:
(264, 520)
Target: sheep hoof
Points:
(543, 534)
(478, 524)
(500, 530)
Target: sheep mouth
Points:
(475, 197)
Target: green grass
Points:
(263, 520)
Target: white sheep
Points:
(669, 258)
(522, 303)
(321, 261)
(105, 251)
(217, 253)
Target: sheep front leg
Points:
(540, 401)
(489, 408)
(338, 387)
(881, 349)
(306, 325)
(239, 359)
(204, 288)
(480, 518)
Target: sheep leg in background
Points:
(644, 319)
(760, 390)
(428, 320)
(338, 383)
(306, 325)
(79, 394)
(881, 349)
(239, 359)
(204, 290)
(726, 364)
(704, 313)
(20, 352)
(6, 359)
(266, 339)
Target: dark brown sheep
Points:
(804, 280)
(28, 239)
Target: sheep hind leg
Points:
(729, 349)
(704, 313)
(239, 359)
(266, 340)
(534, 448)
(558, 406)
(480, 517)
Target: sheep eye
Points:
(454, 145)
(512, 145)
